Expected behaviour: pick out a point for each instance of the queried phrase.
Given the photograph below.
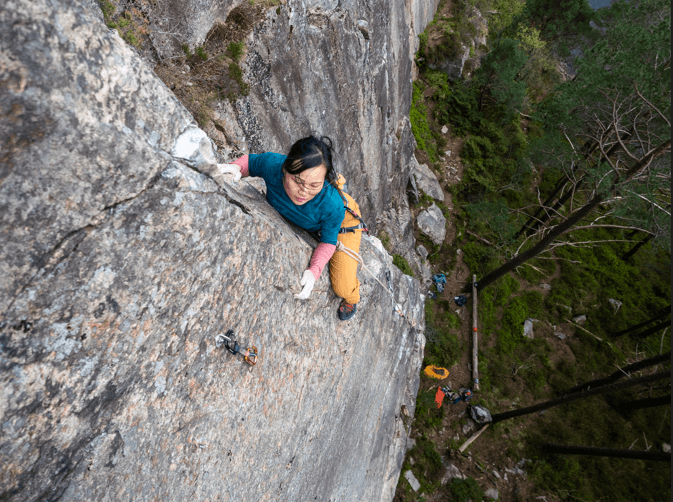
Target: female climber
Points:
(304, 187)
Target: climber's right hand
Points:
(308, 281)
(234, 169)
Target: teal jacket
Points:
(324, 213)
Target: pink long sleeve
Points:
(322, 254)
(242, 162)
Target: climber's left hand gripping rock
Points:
(307, 281)
(234, 169)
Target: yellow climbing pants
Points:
(342, 268)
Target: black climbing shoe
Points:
(347, 310)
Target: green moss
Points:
(444, 350)
(534, 301)
(236, 74)
(491, 301)
(425, 200)
(427, 415)
(511, 333)
(235, 49)
(418, 115)
(536, 271)
(385, 240)
(601, 274)
(452, 32)
(124, 21)
(201, 53)
(427, 466)
(465, 490)
(400, 262)
(452, 320)
(108, 9)
(130, 38)
(444, 347)
(478, 257)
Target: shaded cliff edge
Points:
(122, 259)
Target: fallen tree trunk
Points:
(663, 313)
(562, 449)
(622, 372)
(605, 389)
(649, 402)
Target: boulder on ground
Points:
(468, 427)
(528, 328)
(432, 223)
(415, 485)
(426, 181)
(452, 472)
(615, 304)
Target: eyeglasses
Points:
(313, 188)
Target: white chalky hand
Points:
(234, 169)
(307, 281)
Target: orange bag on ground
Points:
(436, 372)
(439, 397)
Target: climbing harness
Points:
(230, 343)
(360, 226)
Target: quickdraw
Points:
(230, 343)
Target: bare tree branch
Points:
(635, 85)
(610, 226)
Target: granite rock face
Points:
(122, 259)
(311, 70)
(89, 127)
(340, 68)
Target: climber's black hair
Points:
(311, 152)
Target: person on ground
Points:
(304, 187)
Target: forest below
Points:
(562, 211)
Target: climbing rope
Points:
(396, 307)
